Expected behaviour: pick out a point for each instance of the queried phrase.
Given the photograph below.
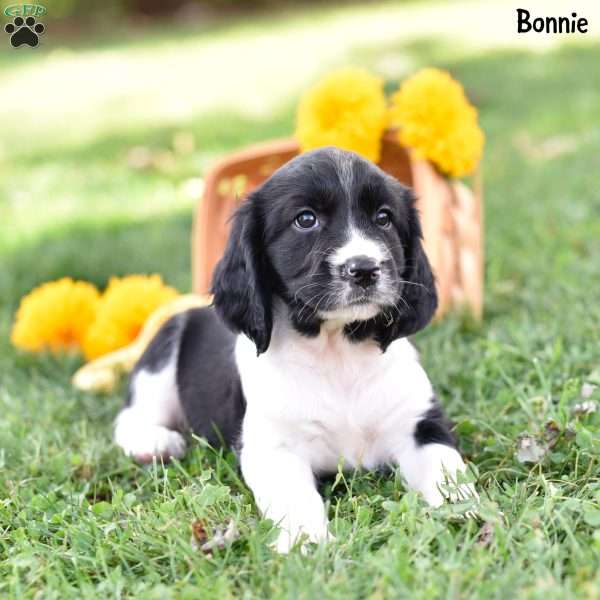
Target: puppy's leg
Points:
(284, 489)
(430, 462)
(147, 427)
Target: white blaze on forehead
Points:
(358, 244)
(343, 164)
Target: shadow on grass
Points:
(96, 251)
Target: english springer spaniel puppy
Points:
(303, 362)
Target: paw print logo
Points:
(24, 31)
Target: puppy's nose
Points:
(362, 271)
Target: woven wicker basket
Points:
(451, 216)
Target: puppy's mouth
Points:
(361, 298)
(357, 305)
(341, 301)
(350, 313)
(380, 295)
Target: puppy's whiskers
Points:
(405, 282)
(308, 285)
(406, 304)
(327, 295)
(307, 304)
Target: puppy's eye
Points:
(306, 220)
(383, 218)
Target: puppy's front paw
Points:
(288, 538)
(439, 473)
(150, 441)
(448, 490)
(451, 487)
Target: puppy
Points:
(303, 361)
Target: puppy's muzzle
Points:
(361, 271)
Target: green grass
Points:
(79, 520)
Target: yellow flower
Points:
(55, 316)
(123, 310)
(436, 119)
(346, 109)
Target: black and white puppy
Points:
(303, 363)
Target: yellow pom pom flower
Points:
(436, 119)
(55, 316)
(346, 109)
(123, 310)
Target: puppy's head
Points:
(338, 240)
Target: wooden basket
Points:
(451, 216)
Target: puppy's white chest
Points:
(338, 417)
(327, 442)
(330, 401)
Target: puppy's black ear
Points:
(417, 289)
(241, 287)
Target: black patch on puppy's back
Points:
(208, 380)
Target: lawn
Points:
(79, 520)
